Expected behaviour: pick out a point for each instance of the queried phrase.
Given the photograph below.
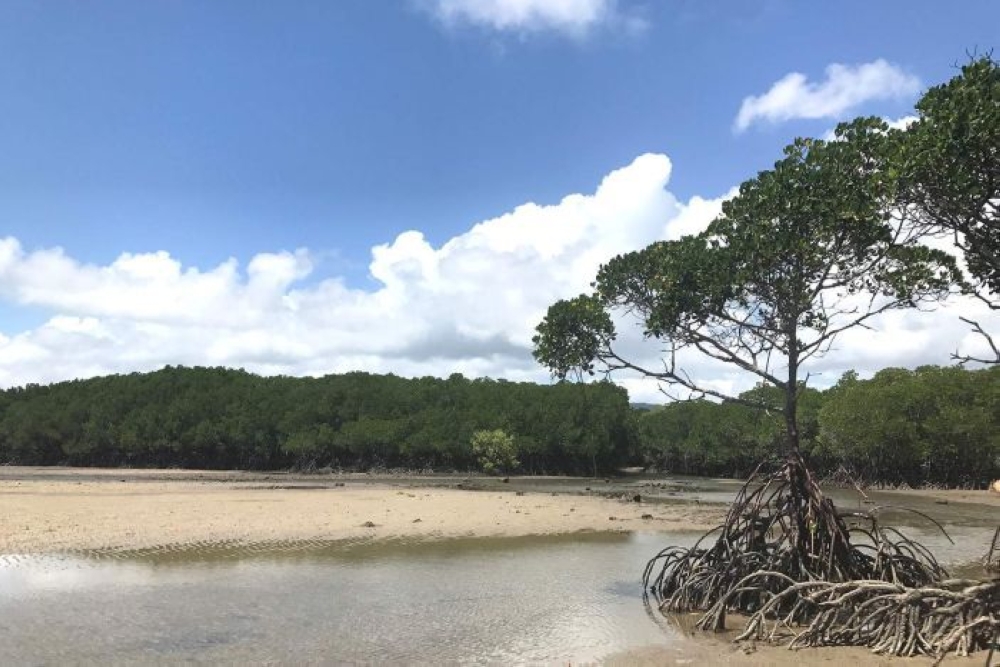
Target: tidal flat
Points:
(174, 566)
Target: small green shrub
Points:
(495, 451)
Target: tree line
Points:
(220, 418)
(933, 425)
(937, 425)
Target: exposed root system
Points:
(958, 615)
(787, 559)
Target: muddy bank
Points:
(946, 496)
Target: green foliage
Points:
(951, 169)
(770, 283)
(722, 439)
(495, 450)
(952, 164)
(937, 424)
(572, 335)
(218, 418)
(803, 238)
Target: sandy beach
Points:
(110, 512)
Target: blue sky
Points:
(214, 130)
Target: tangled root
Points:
(957, 615)
(782, 523)
(787, 559)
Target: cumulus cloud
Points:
(844, 88)
(573, 17)
(468, 306)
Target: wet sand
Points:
(50, 511)
(53, 509)
(707, 651)
(946, 496)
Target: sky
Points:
(405, 186)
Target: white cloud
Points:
(900, 123)
(573, 17)
(845, 87)
(468, 306)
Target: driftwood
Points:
(799, 569)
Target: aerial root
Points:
(958, 615)
(992, 560)
(803, 572)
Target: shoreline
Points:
(119, 513)
(62, 509)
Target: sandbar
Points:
(105, 513)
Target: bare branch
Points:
(963, 359)
(671, 375)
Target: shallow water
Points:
(548, 600)
(538, 600)
(491, 601)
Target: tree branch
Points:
(963, 359)
(672, 376)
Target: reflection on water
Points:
(487, 601)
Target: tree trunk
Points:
(792, 397)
